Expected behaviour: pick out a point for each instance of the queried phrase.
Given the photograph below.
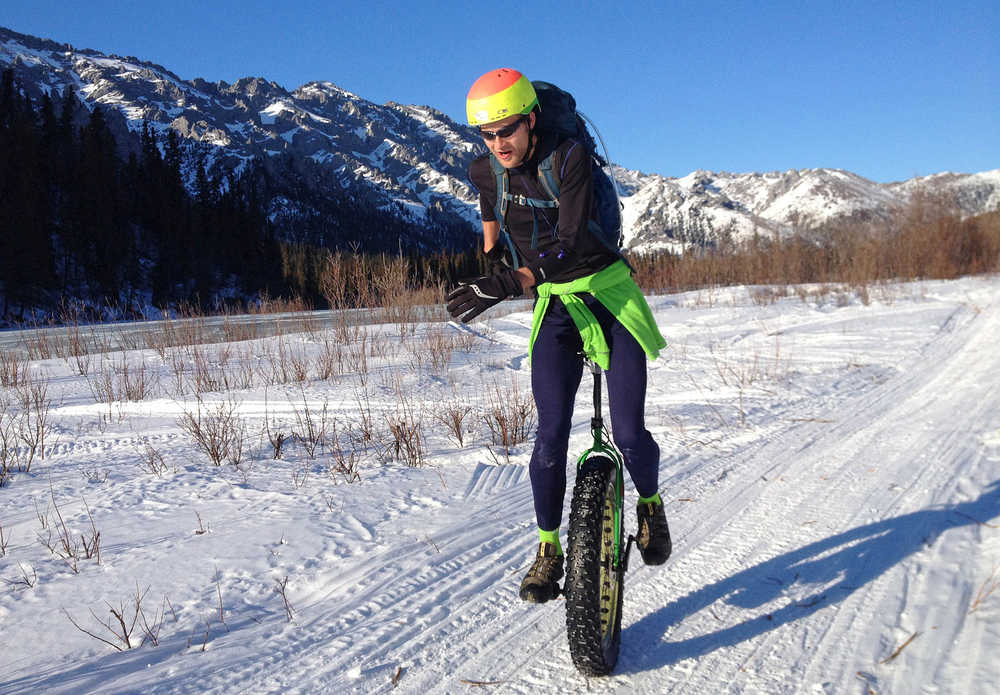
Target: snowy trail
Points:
(774, 579)
(768, 555)
(832, 476)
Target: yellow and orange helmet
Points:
(499, 94)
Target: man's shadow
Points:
(838, 565)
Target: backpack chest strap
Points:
(504, 197)
(525, 201)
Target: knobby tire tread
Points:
(592, 654)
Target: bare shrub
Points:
(331, 360)
(38, 345)
(345, 462)
(287, 365)
(207, 378)
(13, 369)
(121, 381)
(436, 347)
(242, 374)
(157, 341)
(152, 461)
(403, 287)
(66, 547)
(8, 442)
(120, 629)
(366, 427)
(406, 443)
(466, 339)
(274, 436)
(29, 424)
(25, 580)
(201, 530)
(266, 304)
(239, 331)
(102, 387)
(510, 414)
(452, 415)
(357, 357)
(92, 543)
(282, 590)
(342, 282)
(83, 360)
(136, 384)
(311, 426)
(217, 430)
(178, 368)
(404, 438)
(300, 474)
(96, 476)
(276, 439)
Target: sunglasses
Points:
(504, 132)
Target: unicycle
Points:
(597, 556)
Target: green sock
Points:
(551, 537)
(655, 499)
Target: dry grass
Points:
(926, 240)
(991, 584)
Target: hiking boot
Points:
(653, 538)
(542, 581)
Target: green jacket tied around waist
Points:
(614, 288)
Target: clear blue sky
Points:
(889, 90)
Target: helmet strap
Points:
(532, 137)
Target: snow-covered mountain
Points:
(407, 159)
(411, 160)
(663, 212)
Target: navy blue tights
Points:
(556, 371)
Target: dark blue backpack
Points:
(558, 115)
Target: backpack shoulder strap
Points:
(503, 190)
(551, 175)
(500, 209)
(549, 178)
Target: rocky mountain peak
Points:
(411, 160)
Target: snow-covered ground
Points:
(831, 468)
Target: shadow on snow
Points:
(838, 565)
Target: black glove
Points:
(498, 259)
(473, 297)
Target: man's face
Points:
(512, 139)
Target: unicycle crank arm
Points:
(623, 562)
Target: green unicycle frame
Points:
(603, 446)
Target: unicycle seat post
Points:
(596, 422)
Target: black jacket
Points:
(567, 250)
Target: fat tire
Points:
(593, 643)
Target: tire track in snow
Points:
(836, 455)
(465, 581)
